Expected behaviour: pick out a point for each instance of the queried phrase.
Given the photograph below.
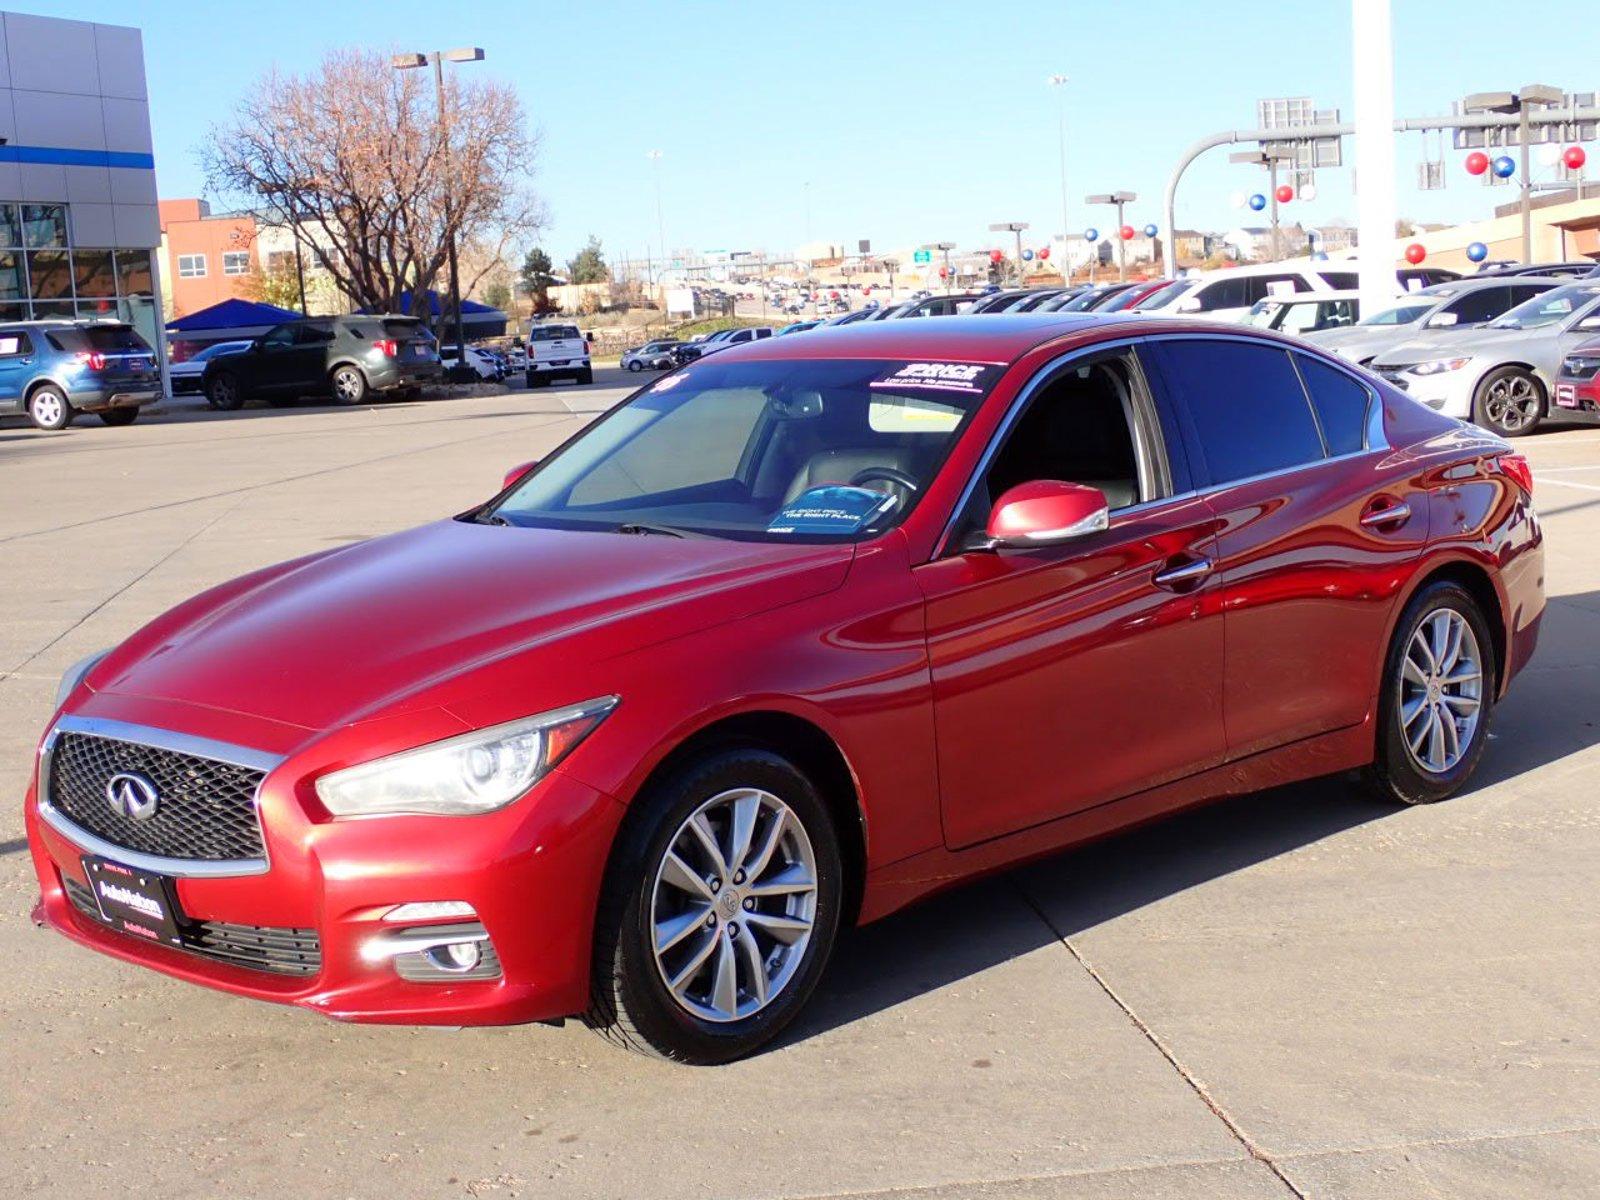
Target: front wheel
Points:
(120, 416)
(635, 365)
(48, 408)
(223, 392)
(1509, 401)
(349, 385)
(719, 910)
(1438, 693)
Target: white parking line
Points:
(1558, 470)
(1567, 483)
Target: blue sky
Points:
(911, 121)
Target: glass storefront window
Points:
(11, 285)
(133, 273)
(10, 227)
(53, 310)
(93, 273)
(44, 226)
(50, 274)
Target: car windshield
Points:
(552, 333)
(774, 451)
(1164, 296)
(1549, 308)
(1400, 314)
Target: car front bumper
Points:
(1575, 400)
(531, 873)
(1449, 392)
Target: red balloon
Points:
(1574, 157)
(996, 255)
(1044, 252)
(1126, 233)
(1285, 193)
(1415, 253)
(1477, 163)
(944, 272)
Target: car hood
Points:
(1467, 340)
(1357, 341)
(396, 623)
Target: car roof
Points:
(993, 338)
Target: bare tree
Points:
(354, 160)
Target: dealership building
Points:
(78, 217)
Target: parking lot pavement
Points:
(1295, 994)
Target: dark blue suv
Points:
(53, 370)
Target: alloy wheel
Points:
(1512, 402)
(733, 905)
(47, 409)
(347, 385)
(1441, 691)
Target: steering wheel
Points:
(892, 475)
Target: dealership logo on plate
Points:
(132, 795)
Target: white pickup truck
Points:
(557, 352)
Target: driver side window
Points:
(278, 339)
(1085, 425)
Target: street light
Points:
(1119, 199)
(1015, 227)
(1058, 82)
(661, 237)
(1536, 95)
(408, 62)
(949, 275)
(1268, 158)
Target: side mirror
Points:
(517, 472)
(1045, 512)
(1440, 320)
(1192, 304)
(1589, 323)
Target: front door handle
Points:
(1175, 579)
(1387, 516)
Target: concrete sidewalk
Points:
(1297, 994)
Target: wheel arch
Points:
(44, 381)
(1475, 579)
(814, 751)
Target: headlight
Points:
(1438, 366)
(74, 675)
(477, 772)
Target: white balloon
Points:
(1237, 199)
(1549, 155)
(1308, 192)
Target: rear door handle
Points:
(1380, 518)
(1176, 578)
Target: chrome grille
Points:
(206, 808)
(283, 951)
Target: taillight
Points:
(94, 360)
(388, 347)
(1516, 466)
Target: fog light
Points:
(456, 956)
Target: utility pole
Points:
(1015, 227)
(1268, 158)
(1119, 199)
(661, 235)
(1534, 95)
(406, 62)
(1059, 82)
(949, 275)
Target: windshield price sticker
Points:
(834, 508)
(965, 379)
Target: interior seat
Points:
(842, 464)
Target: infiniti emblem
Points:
(132, 795)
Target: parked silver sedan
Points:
(1500, 375)
(656, 356)
(1459, 304)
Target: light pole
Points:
(1533, 96)
(1119, 199)
(1058, 82)
(407, 62)
(1270, 160)
(949, 275)
(1015, 227)
(661, 226)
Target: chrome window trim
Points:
(156, 739)
(1377, 439)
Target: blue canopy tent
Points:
(477, 320)
(229, 321)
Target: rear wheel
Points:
(635, 365)
(586, 375)
(719, 910)
(120, 416)
(1509, 401)
(48, 407)
(1438, 693)
(223, 391)
(349, 385)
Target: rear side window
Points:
(1341, 404)
(14, 342)
(1225, 293)
(1483, 305)
(1246, 408)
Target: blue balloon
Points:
(1505, 166)
(1477, 252)
(1258, 202)
(1150, 230)
(1091, 234)
(1027, 256)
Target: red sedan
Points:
(792, 638)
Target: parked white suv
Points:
(1230, 293)
(558, 352)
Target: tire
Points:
(631, 1002)
(635, 365)
(536, 380)
(586, 375)
(49, 408)
(120, 416)
(1509, 401)
(1398, 772)
(223, 392)
(348, 384)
